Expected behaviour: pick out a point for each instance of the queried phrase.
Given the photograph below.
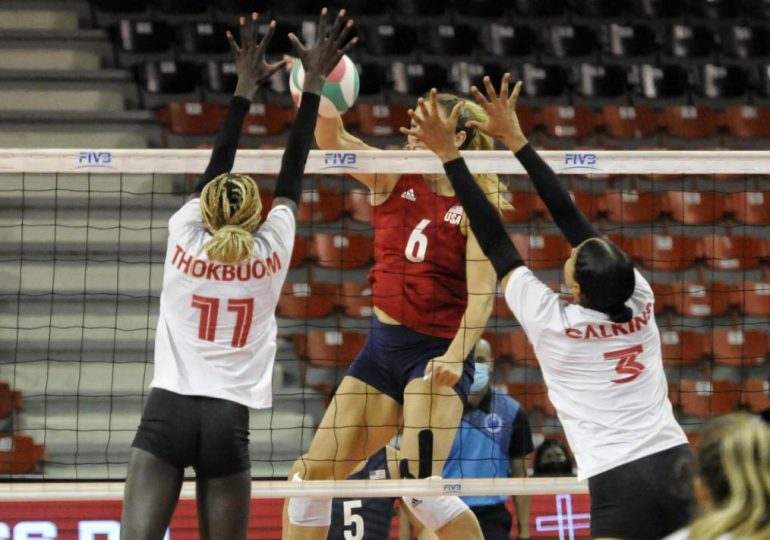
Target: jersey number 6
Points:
(209, 308)
(417, 244)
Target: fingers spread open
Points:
(515, 94)
(268, 36)
(490, 89)
(322, 24)
(479, 97)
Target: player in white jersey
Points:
(216, 337)
(600, 355)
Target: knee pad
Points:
(435, 512)
(309, 511)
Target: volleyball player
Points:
(600, 355)
(433, 291)
(216, 336)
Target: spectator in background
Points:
(733, 481)
(552, 458)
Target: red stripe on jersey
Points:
(209, 307)
(244, 310)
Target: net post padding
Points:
(279, 489)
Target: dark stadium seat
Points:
(666, 251)
(751, 207)
(319, 204)
(389, 39)
(688, 41)
(599, 80)
(630, 121)
(371, 79)
(565, 41)
(745, 41)
(762, 75)
(568, 121)
(307, 300)
(358, 205)
(716, 10)
(203, 37)
(543, 80)
(658, 9)
(631, 206)
(243, 7)
(702, 298)
(509, 40)
(301, 251)
(221, 76)
(627, 41)
(659, 81)
(419, 8)
(169, 76)
(532, 396)
(689, 122)
(753, 297)
(356, 298)
(740, 347)
(594, 9)
(541, 8)
(142, 36)
(265, 119)
(487, 9)
(523, 207)
(756, 9)
(706, 399)
(695, 207)
(381, 119)
(448, 39)
(682, 347)
(330, 348)
(747, 121)
(192, 118)
(755, 394)
(728, 252)
(414, 78)
(342, 250)
(182, 7)
(121, 6)
(542, 251)
(466, 74)
(307, 8)
(719, 81)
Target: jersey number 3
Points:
(209, 308)
(417, 244)
(627, 363)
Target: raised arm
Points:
(252, 71)
(503, 124)
(318, 62)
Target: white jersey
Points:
(216, 329)
(605, 379)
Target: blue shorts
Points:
(394, 355)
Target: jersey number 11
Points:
(209, 308)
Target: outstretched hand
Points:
(250, 62)
(501, 122)
(433, 127)
(320, 59)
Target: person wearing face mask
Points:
(552, 459)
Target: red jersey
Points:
(418, 277)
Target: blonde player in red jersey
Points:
(600, 355)
(433, 291)
(216, 337)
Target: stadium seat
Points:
(587, 202)
(688, 41)
(532, 396)
(750, 207)
(630, 121)
(716, 10)
(658, 9)
(358, 205)
(593, 9)
(728, 252)
(753, 297)
(169, 76)
(695, 207)
(10, 400)
(513, 345)
(239, 7)
(747, 121)
(665, 251)
(688, 122)
(19, 454)
(755, 394)
(599, 81)
(419, 8)
(542, 80)
(488, 9)
(702, 299)
(301, 251)
(265, 119)
(659, 81)
(524, 204)
(719, 81)
(501, 309)
(739, 347)
(307, 300)
(541, 8)
(121, 6)
(466, 74)
(682, 347)
(414, 78)
(757, 9)
(181, 7)
(707, 399)
(221, 76)
(542, 251)
(143, 36)
(566, 41)
(448, 39)
(330, 348)
(319, 204)
(762, 74)
(745, 41)
(631, 206)
(381, 119)
(507, 40)
(342, 250)
(665, 297)
(568, 121)
(203, 37)
(192, 118)
(627, 41)
(390, 39)
(356, 298)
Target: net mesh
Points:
(83, 238)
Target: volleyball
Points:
(338, 94)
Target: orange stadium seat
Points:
(682, 347)
(381, 119)
(707, 399)
(753, 297)
(727, 252)
(329, 348)
(357, 203)
(747, 121)
(512, 345)
(319, 204)
(751, 207)
(342, 250)
(755, 394)
(688, 122)
(739, 347)
(10, 400)
(631, 206)
(356, 298)
(630, 121)
(265, 119)
(589, 204)
(695, 207)
(192, 118)
(524, 204)
(23, 454)
(568, 121)
(665, 296)
(307, 300)
(532, 396)
(665, 252)
(702, 299)
(301, 251)
(541, 251)
(501, 309)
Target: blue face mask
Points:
(481, 378)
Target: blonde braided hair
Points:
(231, 209)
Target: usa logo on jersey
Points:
(454, 215)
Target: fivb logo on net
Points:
(94, 159)
(581, 160)
(340, 160)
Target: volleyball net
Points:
(83, 236)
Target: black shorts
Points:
(209, 434)
(495, 521)
(647, 498)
